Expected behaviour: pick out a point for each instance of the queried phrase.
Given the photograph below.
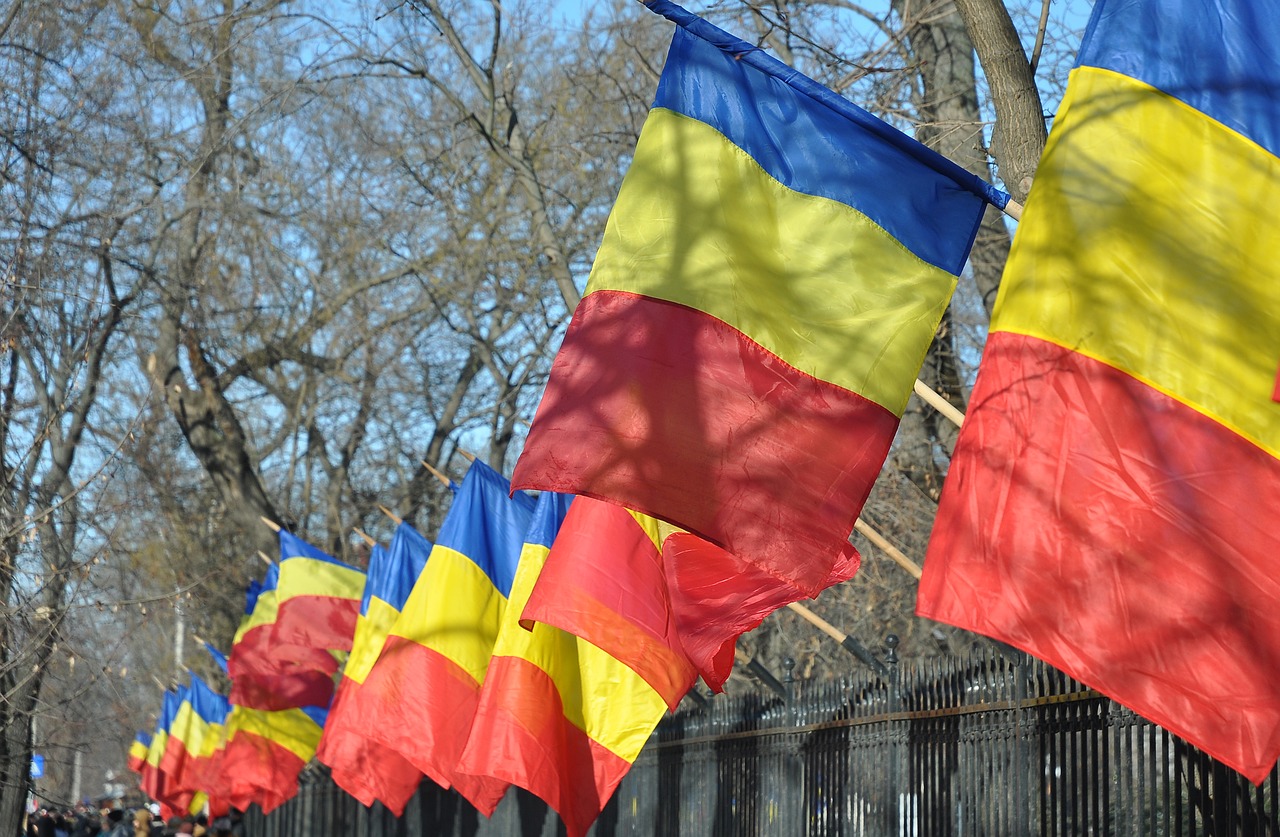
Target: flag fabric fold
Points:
(557, 716)
(360, 764)
(280, 694)
(770, 279)
(423, 690)
(665, 602)
(1108, 506)
(265, 752)
(604, 580)
(270, 675)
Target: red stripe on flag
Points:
(716, 597)
(271, 676)
(540, 750)
(367, 769)
(327, 622)
(256, 769)
(676, 414)
(421, 704)
(1160, 589)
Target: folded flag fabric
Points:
(271, 675)
(423, 690)
(317, 597)
(265, 752)
(1109, 506)
(604, 580)
(663, 601)
(770, 279)
(557, 716)
(359, 764)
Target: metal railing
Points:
(989, 744)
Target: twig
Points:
(1039, 45)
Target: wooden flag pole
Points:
(437, 474)
(267, 558)
(271, 524)
(942, 405)
(467, 455)
(1013, 209)
(388, 513)
(370, 541)
(847, 642)
(892, 551)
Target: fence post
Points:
(896, 734)
(1021, 813)
(791, 803)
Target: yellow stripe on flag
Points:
(264, 613)
(454, 610)
(1159, 174)
(302, 576)
(371, 632)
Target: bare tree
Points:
(61, 311)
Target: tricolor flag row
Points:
(771, 277)
(443, 677)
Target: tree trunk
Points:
(15, 753)
(951, 124)
(1019, 134)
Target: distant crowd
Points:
(86, 821)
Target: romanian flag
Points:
(665, 602)
(770, 279)
(138, 752)
(195, 736)
(265, 752)
(423, 691)
(317, 597)
(271, 675)
(360, 765)
(156, 783)
(557, 716)
(1111, 502)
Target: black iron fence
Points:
(992, 744)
